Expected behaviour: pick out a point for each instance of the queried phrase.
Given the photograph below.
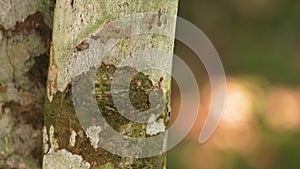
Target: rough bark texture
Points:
(78, 27)
(25, 29)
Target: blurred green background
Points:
(259, 44)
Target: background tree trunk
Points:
(25, 29)
(78, 27)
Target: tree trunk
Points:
(25, 29)
(93, 50)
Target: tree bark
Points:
(25, 29)
(82, 30)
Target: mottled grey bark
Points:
(25, 28)
(79, 27)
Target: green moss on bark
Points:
(61, 114)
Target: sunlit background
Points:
(259, 44)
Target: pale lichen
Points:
(155, 127)
(45, 140)
(53, 141)
(73, 138)
(93, 134)
(63, 159)
(6, 141)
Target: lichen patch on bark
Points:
(73, 138)
(93, 134)
(62, 159)
(53, 141)
(6, 141)
(45, 140)
(155, 127)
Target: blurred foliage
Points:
(255, 38)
